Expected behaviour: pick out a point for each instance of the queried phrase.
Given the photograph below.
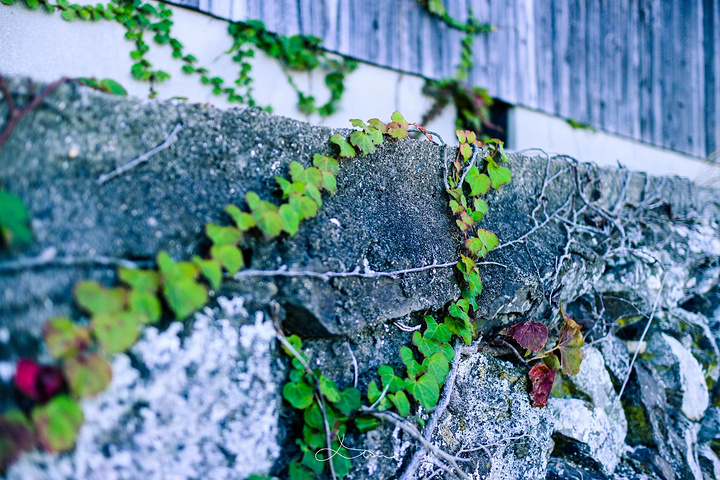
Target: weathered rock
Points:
(616, 356)
(576, 420)
(682, 375)
(490, 408)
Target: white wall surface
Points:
(45, 47)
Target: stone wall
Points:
(201, 398)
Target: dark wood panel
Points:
(646, 69)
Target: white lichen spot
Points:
(695, 398)
(4, 335)
(7, 370)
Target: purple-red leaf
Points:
(16, 436)
(542, 379)
(38, 382)
(530, 335)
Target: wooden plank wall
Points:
(644, 69)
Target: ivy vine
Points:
(141, 20)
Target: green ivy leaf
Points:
(499, 175)
(87, 375)
(413, 367)
(243, 220)
(65, 338)
(438, 366)
(211, 270)
(437, 332)
(479, 205)
(552, 362)
(449, 352)
(401, 402)
(229, 256)
(290, 189)
(488, 238)
(311, 462)
(341, 461)
(184, 296)
(68, 15)
(297, 472)
(308, 176)
(349, 402)
(96, 299)
(111, 86)
(426, 391)
(147, 303)
(466, 151)
(329, 182)
(313, 192)
(329, 388)
(298, 394)
(388, 377)
(378, 125)
(313, 438)
(397, 131)
(366, 424)
(374, 393)
(295, 342)
(346, 150)
(305, 206)
(461, 328)
(456, 311)
(399, 119)
(363, 141)
(147, 280)
(426, 346)
(479, 183)
(117, 332)
(327, 164)
(476, 246)
(313, 417)
(222, 235)
(290, 219)
(265, 214)
(57, 423)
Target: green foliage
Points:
(116, 332)
(57, 423)
(106, 85)
(140, 20)
(346, 150)
(294, 53)
(96, 299)
(87, 374)
(64, 338)
(14, 221)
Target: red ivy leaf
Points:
(26, 373)
(530, 335)
(38, 382)
(542, 379)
